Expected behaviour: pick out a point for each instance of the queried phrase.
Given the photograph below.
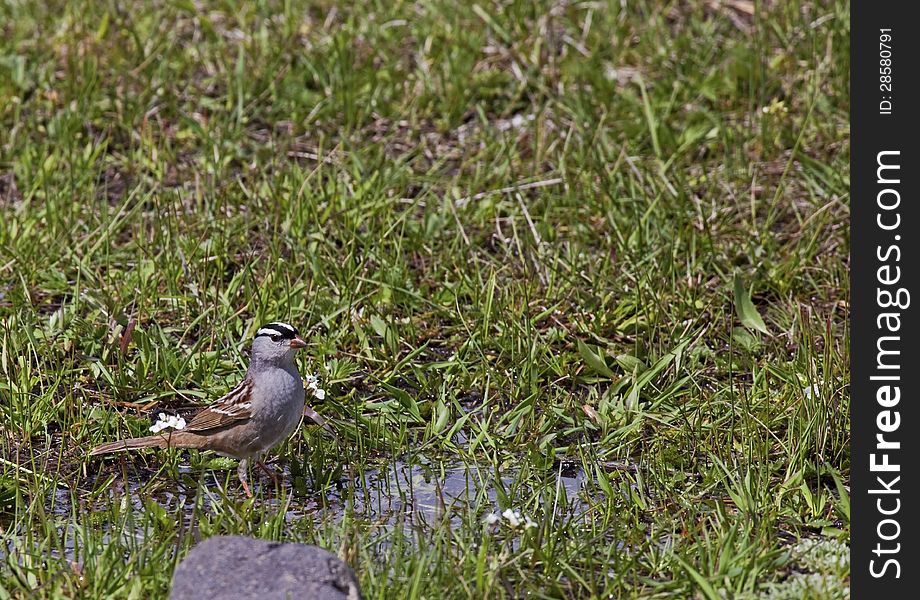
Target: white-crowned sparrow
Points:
(258, 414)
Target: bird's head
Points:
(276, 343)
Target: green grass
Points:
(511, 233)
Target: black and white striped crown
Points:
(287, 332)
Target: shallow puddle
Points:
(426, 494)
(419, 496)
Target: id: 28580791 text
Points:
(884, 71)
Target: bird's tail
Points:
(151, 441)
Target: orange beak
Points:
(297, 342)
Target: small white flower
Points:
(492, 519)
(514, 518)
(312, 383)
(160, 424)
(168, 422)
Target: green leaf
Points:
(749, 316)
(379, 326)
(844, 504)
(745, 340)
(405, 400)
(442, 416)
(595, 360)
(631, 364)
(218, 463)
(603, 482)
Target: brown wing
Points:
(228, 410)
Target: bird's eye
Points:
(276, 338)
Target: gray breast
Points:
(279, 406)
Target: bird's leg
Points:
(270, 472)
(244, 479)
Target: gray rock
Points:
(234, 567)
